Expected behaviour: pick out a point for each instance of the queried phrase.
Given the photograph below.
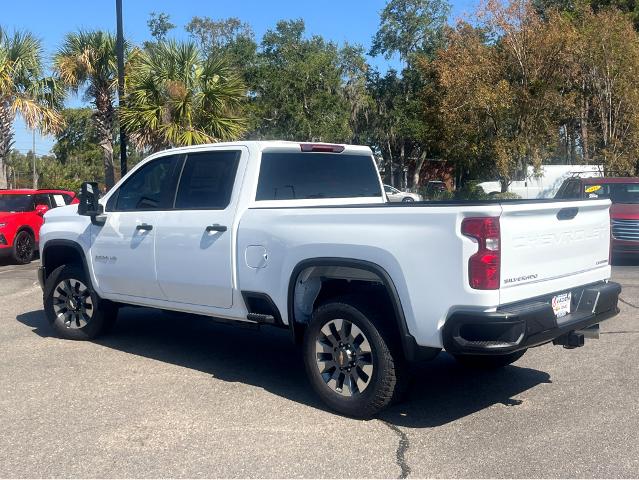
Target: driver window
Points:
(148, 188)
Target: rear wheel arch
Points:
(372, 274)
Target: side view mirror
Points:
(89, 205)
(41, 209)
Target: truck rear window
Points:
(294, 176)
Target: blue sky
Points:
(354, 21)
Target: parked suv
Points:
(21, 213)
(624, 212)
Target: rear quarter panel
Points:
(420, 247)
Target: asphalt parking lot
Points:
(184, 397)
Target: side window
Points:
(60, 199)
(207, 180)
(570, 191)
(43, 199)
(147, 189)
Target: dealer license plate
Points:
(561, 304)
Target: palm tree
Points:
(24, 92)
(87, 60)
(176, 97)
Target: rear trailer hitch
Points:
(576, 338)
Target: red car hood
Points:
(625, 211)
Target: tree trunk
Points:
(6, 141)
(584, 131)
(390, 163)
(104, 117)
(402, 163)
(418, 168)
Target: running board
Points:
(262, 318)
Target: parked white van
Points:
(546, 182)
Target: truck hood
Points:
(625, 211)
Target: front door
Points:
(194, 242)
(123, 249)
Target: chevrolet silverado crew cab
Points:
(299, 236)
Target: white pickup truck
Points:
(299, 236)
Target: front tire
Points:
(73, 308)
(352, 358)
(489, 362)
(23, 246)
(408, 199)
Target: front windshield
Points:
(16, 203)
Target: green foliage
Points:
(159, 25)
(52, 173)
(215, 36)
(87, 60)
(68, 176)
(176, 97)
(297, 89)
(470, 191)
(506, 196)
(518, 84)
(79, 139)
(408, 27)
(574, 8)
(24, 91)
(504, 105)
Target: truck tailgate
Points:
(552, 246)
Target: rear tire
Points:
(489, 362)
(23, 246)
(352, 357)
(73, 308)
(408, 199)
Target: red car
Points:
(624, 212)
(21, 213)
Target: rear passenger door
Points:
(194, 242)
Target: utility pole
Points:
(35, 172)
(120, 54)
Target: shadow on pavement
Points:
(7, 261)
(442, 392)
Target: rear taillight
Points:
(321, 147)
(484, 266)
